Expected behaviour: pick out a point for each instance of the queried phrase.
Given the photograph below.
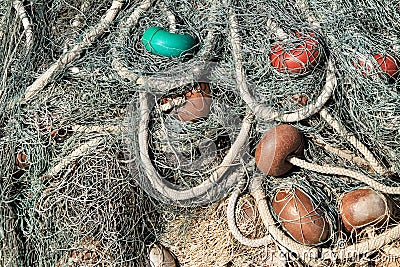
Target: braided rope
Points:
(375, 164)
(170, 17)
(19, 7)
(258, 242)
(171, 191)
(260, 110)
(344, 172)
(200, 194)
(79, 17)
(87, 39)
(73, 156)
(359, 161)
(124, 29)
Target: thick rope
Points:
(19, 7)
(75, 52)
(303, 6)
(258, 242)
(170, 17)
(171, 191)
(264, 112)
(77, 153)
(344, 172)
(375, 164)
(79, 17)
(311, 255)
(124, 30)
(359, 161)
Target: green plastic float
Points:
(158, 41)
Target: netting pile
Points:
(113, 147)
(74, 201)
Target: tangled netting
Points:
(103, 143)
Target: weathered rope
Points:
(375, 164)
(258, 242)
(77, 153)
(359, 161)
(187, 196)
(170, 17)
(171, 191)
(264, 112)
(124, 30)
(19, 8)
(87, 39)
(311, 255)
(344, 172)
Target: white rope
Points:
(124, 31)
(19, 7)
(170, 17)
(344, 172)
(262, 111)
(75, 52)
(169, 190)
(258, 242)
(375, 164)
(81, 150)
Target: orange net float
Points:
(307, 54)
(385, 65)
(389, 64)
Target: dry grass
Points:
(206, 240)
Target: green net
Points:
(104, 144)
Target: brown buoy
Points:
(362, 207)
(192, 105)
(300, 217)
(159, 256)
(22, 161)
(198, 103)
(275, 146)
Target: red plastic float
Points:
(301, 59)
(388, 64)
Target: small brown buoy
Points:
(275, 146)
(197, 105)
(193, 104)
(362, 207)
(159, 256)
(21, 161)
(300, 217)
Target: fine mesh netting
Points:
(107, 147)
(72, 201)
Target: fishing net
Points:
(69, 197)
(108, 147)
